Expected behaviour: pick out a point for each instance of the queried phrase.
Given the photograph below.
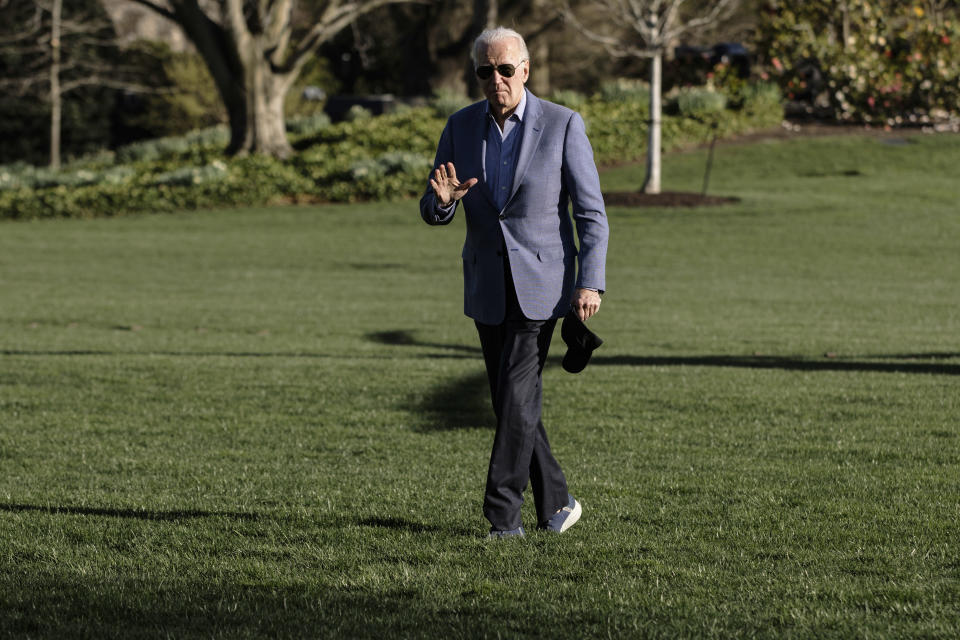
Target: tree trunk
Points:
(249, 53)
(252, 92)
(264, 127)
(452, 27)
(450, 74)
(540, 51)
(486, 14)
(651, 183)
(56, 99)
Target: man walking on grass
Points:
(520, 166)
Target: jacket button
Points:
(503, 217)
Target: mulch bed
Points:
(664, 199)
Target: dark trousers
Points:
(514, 353)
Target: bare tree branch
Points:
(163, 11)
(658, 23)
(112, 83)
(236, 24)
(27, 31)
(615, 46)
(334, 19)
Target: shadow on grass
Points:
(48, 605)
(128, 513)
(381, 522)
(176, 354)
(788, 363)
(461, 402)
(931, 355)
(404, 337)
(907, 362)
(464, 401)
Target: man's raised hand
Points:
(446, 186)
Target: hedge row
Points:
(367, 158)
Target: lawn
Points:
(273, 423)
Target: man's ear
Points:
(526, 72)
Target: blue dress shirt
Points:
(501, 153)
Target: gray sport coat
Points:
(555, 176)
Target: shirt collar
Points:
(518, 112)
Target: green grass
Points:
(274, 423)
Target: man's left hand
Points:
(586, 302)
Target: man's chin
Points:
(501, 101)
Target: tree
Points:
(436, 39)
(255, 51)
(646, 29)
(50, 50)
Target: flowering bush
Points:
(873, 61)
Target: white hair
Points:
(489, 36)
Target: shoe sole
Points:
(573, 517)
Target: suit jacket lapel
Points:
(532, 129)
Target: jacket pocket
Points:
(550, 255)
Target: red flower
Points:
(945, 39)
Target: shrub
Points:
(617, 129)
(23, 176)
(390, 164)
(357, 112)
(699, 102)
(192, 175)
(211, 140)
(569, 98)
(762, 101)
(381, 157)
(445, 103)
(308, 125)
(880, 61)
(625, 90)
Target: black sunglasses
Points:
(505, 70)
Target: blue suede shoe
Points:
(496, 534)
(565, 518)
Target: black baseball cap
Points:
(580, 343)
